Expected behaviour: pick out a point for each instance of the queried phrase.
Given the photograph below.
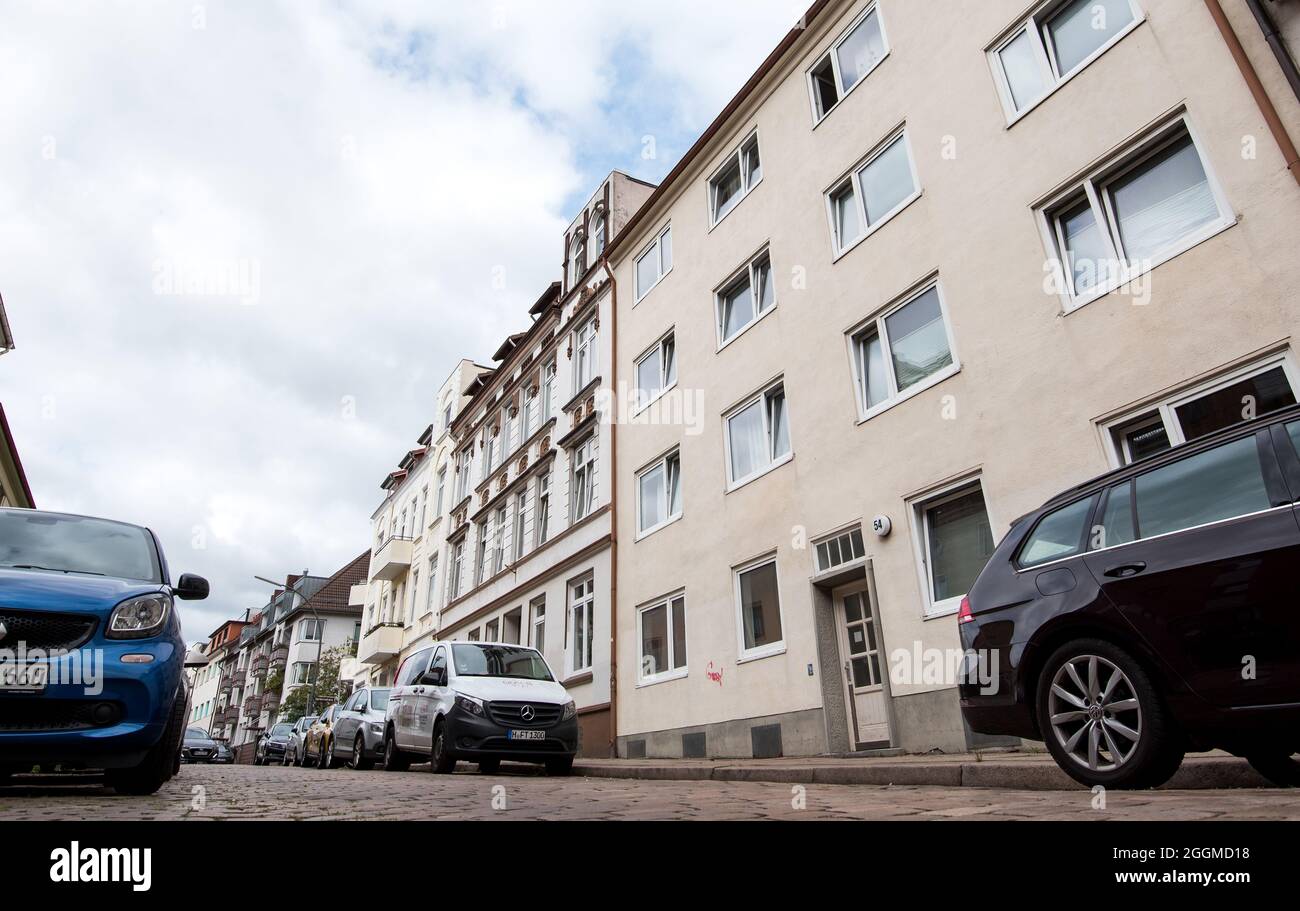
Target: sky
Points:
(242, 244)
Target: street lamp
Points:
(311, 693)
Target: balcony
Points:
(252, 706)
(270, 702)
(380, 644)
(225, 685)
(279, 657)
(218, 718)
(259, 665)
(232, 717)
(392, 561)
(357, 594)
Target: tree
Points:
(329, 688)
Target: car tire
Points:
(489, 766)
(559, 766)
(307, 760)
(1103, 718)
(395, 760)
(440, 759)
(159, 764)
(1282, 769)
(359, 761)
(327, 756)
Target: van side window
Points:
(413, 668)
(1059, 534)
(1294, 429)
(439, 663)
(1221, 483)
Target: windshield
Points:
(74, 544)
(196, 734)
(499, 661)
(308, 721)
(379, 699)
(281, 730)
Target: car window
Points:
(196, 733)
(413, 667)
(1116, 525)
(1294, 429)
(1058, 535)
(379, 699)
(1211, 486)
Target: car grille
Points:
(510, 714)
(39, 629)
(21, 714)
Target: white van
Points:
(481, 702)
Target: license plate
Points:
(25, 677)
(525, 735)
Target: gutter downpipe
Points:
(1274, 39)
(1262, 101)
(613, 510)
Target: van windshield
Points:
(499, 661)
(76, 544)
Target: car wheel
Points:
(307, 760)
(327, 757)
(359, 760)
(440, 757)
(559, 766)
(1280, 768)
(1103, 719)
(394, 759)
(159, 764)
(489, 766)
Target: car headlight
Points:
(376, 727)
(570, 709)
(139, 618)
(470, 704)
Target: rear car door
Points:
(345, 728)
(406, 705)
(1199, 554)
(428, 693)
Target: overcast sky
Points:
(383, 188)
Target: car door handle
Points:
(1125, 570)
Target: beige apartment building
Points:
(934, 263)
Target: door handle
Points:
(1125, 570)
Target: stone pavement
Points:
(520, 793)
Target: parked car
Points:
(272, 745)
(481, 702)
(358, 736)
(1152, 611)
(198, 746)
(224, 754)
(318, 737)
(79, 585)
(298, 740)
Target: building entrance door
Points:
(860, 646)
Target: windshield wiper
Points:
(51, 569)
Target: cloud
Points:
(226, 225)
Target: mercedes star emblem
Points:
(527, 713)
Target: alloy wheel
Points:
(1095, 713)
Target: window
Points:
(583, 485)
(872, 193)
(490, 633)
(521, 514)
(582, 615)
(742, 171)
(484, 529)
(424, 510)
(745, 298)
(584, 355)
(599, 235)
(661, 628)
(654, 263)
(489, 450)
(1252, 392)
(839, 550)
(1058, 535)
(538, 622)
(415, 587)
(310, 630)
(432, 585)
(530, 413)
(442, 484)
(956, 542)
(656, 370)
(1134, 213)
(543, 517)
(1057, 41)
(473, 635)
(758, 436)
(457, 568)
(463, 464)
(759, 605)
(1221, 483)
(446, 416)
(547, 393)
(899, 350)
(659, 494)
(577, 260)
(499, 541)
(847, 63)
(303, 673)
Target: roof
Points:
(8, 442)
(333, 595)
(547, 298)
(509, 346)
(6, 337)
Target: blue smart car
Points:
(91, 656)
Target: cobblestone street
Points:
(264, 793)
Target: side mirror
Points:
(190, 587)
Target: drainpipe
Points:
(1274, 39)
(613, 506)
(1262, 101)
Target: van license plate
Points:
(525, 735)
(23, 677)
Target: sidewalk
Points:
(1031, 771)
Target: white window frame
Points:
(442, 486)
(877, 321)
(654, 248)
(917, 508)
(657, 351)
(586, 603)
(585, 339)
(739, 157)
(749, 272)
(852, 177)
(520, 518)
(600, 220)
(542, 510)
(819, 570)
(536, 619)
(546, 393)
(772, 648)
(662, 462)
(577, 259)
(1094, 183)
(1166, 407)
(673, 673)
(1035, 24)
(431, 586)
(774, 462)
(499, 521)
(586, 464)
(832, 53)
(457, 570)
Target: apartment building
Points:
(933, 264)
(203, 690)
(529, 537)
(403, 592)
(223, 651)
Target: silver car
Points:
(295, 751)
(358, 735)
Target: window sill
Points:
(888, 217)
(661, 678)
(818, 121)
(641, 536)
(731, 488)
(759, 654)
(928, 383)
(743, 197)
(942, 610)
(578, 678)
(750, 325)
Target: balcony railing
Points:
(225, 684)
(252, 705)
(380, 644)
(392, 560)
(357, 594)
(218, 718)
(279, 657)
(259, 665)
(270, 702)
